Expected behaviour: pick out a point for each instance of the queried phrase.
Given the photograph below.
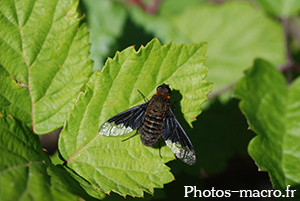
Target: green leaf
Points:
(232, 31)
(26, 172)
(44, 54)
(272, 109)
(130, 167)
(281, 8)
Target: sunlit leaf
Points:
(43, 53)
(130, 167)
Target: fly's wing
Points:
(176, 139)
(124, 122)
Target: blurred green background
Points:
(237, 32)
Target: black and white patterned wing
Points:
(124, 122)
(177, 140)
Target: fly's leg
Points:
(131, 136)
(145, 99)
(173, 105)
(159, 149)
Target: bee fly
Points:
(154, 119)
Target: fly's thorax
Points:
(158, 105)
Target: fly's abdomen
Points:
(151, 129)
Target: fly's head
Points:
(164, 89)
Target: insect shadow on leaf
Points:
(154, 120)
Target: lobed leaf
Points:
(130, 167)
(272, 109)
(44, 56)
